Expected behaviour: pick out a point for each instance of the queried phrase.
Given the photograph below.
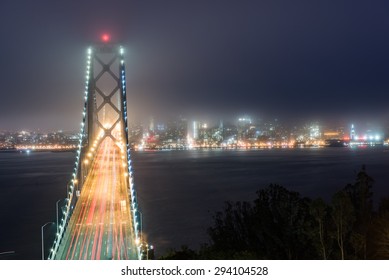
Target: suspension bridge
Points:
(100, 217)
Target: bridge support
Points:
(104, 116)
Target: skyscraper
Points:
(352, 133)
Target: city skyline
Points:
(364, 123)
(151, 120)
(295, 61)
(183, 133)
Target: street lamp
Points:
(57, 214)
(141, 225)
(43, 242)
(67, 189)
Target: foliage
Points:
(281, 224)
(183, 254)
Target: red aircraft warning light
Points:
(105, 38)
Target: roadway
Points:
(101, 224)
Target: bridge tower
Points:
(104, 124)
(106, 102)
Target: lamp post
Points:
(141, 225)
(43, 242)
(57, 214)
(67, 189)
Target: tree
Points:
(280, 224)
(183, 254)
(380, 231)
(277, 226)
(287, 224)
(343, 216)
(230, 232)
(319, 211)
(362, 199)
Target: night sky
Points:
(322, 60)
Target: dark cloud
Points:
(291, 59)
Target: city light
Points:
(247, 134)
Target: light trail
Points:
(101, 224)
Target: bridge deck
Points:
(100, 227)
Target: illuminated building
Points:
(244, 124)
(314, 132)
(352, 133)
(195, 130)
(331, 135)
(151, 125)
